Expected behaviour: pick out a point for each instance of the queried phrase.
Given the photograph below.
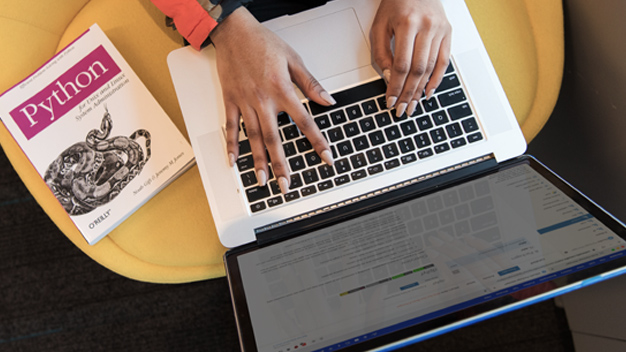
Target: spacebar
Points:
(350, 96)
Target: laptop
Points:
(425, 223)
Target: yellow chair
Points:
(172, 238)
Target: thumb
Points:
(311, 88)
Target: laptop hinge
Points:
(321, 216)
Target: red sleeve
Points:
(190, 18)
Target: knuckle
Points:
(271, 138)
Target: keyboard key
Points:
(454, 130)
(369, 107)
(358, 160)
(351, 96)
(382, 102)
(326, 171)
(307, 191)
(248, 179)
(451, 97)
(297, 163)
(309, 176)
(440, 148)
(296, 181)
(425, 153)
(361, 143)
(440, 117)
(418, 111)
(375, 169)
(342, 166)
(292, 196)
(291, 132)
(430, 104)
(322, 122)
(272, 202)
(324, 185)
(374, 155)
(422, 140)
(354, 112)
(245, 163)
(459, 142)
(406, 145)
(424, 123)
(408, 128)
(448, 82)
(357, 175)
(312, 158)
(409, 158)
(335, 134)
(450, 68)
(394, 114)
(257, 207)
(438, 135)
(376, 138)
(341, 180)
(351, 129)
(392, 133)
(390, 150)
(303, 145)
(283, 119)
(244, 147)
(474, 137)
(338, 117)
(367, 124)
(459, 111)
(391, 164)
(257, 193)
(345, 148)
(383, 119)
(274, 187)
(469, 125)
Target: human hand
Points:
(421, 55)
(256, 70)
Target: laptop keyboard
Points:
(366, 139)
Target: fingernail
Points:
(261, 176)
(391, 102)
(387, 75)
(401, 109)
(328, 98)
(430, 94)
(411, 109)
(327, 156)
(283, 183)
(231, 159)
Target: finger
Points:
(309, 86)
(380, 37)
(309, 128)
(273, 142)
(232, 132)
(257, 145)
(402, 61)
(443, 60)
(422, 65)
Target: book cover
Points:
(95, 134)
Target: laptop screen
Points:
(406, 270)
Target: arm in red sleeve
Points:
(195, 19)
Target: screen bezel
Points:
(463, 317)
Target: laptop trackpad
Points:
(329, 45)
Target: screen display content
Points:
(494, 236)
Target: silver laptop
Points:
(469, 120)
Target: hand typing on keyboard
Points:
(256, 70)
(422, 49)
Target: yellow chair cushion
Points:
(172, 238)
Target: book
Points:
(94, 133)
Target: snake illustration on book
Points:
(91, 173)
